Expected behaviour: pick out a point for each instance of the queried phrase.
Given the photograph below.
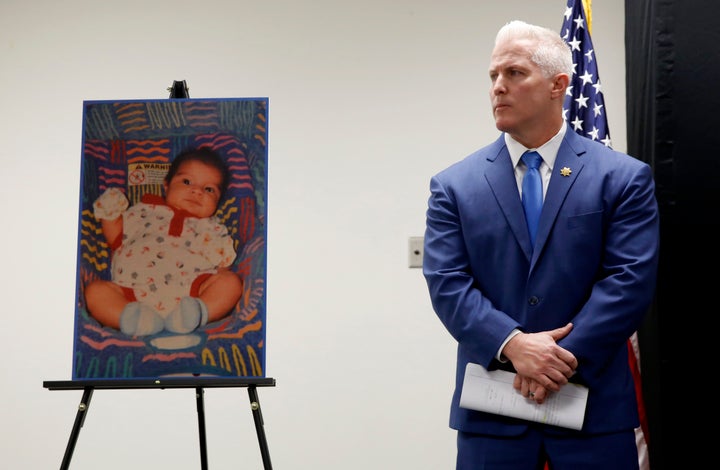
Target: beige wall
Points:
(367, 100)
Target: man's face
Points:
(520, 94)
(195, 188)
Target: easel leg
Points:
(257, 416)
(79, 420)
(199, 392)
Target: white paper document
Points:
(493, 392)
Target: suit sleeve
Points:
(625, 283)
(468, 315)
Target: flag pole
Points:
(587, 5)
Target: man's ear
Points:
(559, 85)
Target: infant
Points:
(170, 256)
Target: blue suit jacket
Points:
(594, 264)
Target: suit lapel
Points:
(501, 179)
(568, 166)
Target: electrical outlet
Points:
(415, 252)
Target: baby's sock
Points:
(190, 313)
(138, 319)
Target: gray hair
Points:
(551, 53)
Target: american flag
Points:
(584, 110)
(584, 106)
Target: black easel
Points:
(198, 383)
(178, 90)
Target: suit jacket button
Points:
(533, 300)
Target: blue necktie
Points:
(532, 193)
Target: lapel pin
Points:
(565, 171)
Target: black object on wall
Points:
(673, 97)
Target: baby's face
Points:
(195, 188)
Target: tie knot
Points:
(532, 159)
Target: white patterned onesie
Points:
(163, 251)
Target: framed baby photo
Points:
(172, 239)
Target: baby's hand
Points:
(110, 205)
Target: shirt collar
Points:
(548, 150)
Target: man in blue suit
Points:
(563, 308)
